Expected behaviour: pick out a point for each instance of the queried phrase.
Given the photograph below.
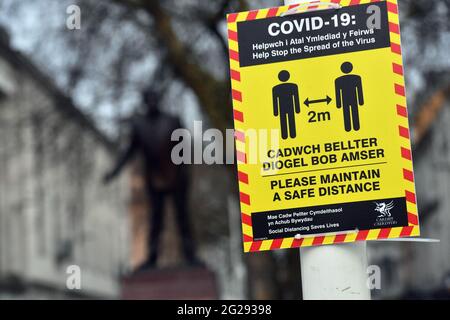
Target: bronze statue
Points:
(151, 136)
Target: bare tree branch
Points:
(213, 95)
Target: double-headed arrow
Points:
(308, 102)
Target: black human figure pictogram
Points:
(151, 137)
(286, 103)
(349, 96)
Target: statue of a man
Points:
(151, 136)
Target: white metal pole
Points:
(334, 272)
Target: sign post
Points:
(334, 272)
(322, 136)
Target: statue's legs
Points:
(182, 215)
(156, 222)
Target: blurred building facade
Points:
(422, 270)
(54, 210)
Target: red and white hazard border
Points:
(403, 130)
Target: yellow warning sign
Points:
(321, 123)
